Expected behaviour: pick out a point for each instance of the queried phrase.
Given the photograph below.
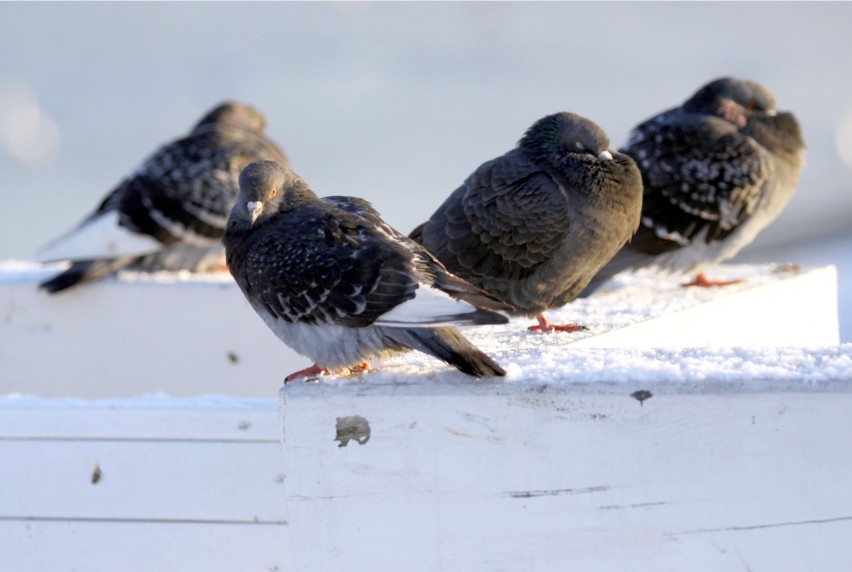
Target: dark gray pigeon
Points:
(171, 212)
(536, 224)
(340, 286)
(716, 171)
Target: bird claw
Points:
(701, 281)
(309, 372)
(313, 372)
(545, 325)
(360, 368)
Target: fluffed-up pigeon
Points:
(170, 213)
(534, 225)
(716, 171)
(337, 284)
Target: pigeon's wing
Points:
(364, 209)
(429, 269)
(313, 267)
(700, 175)
(183, 193)
(507, 218)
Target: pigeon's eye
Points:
(752, 104)
(273, 192)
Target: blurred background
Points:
(399, 102)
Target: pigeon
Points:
(534, 225)
(339, 285)
(171, 212)
(716, 171)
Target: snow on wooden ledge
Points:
(686, 430)
(193, 335)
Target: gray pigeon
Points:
(171, 212)
(534, 225)
(716, 171)
(334, 282)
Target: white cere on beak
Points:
(254, 209)
(605, 156)
(771, 112)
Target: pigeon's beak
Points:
(254, 209)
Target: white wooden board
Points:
(148, 484)
(543, 477)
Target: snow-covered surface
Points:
(604, 369)
(835, 250)
(189, 335)
(140, 417)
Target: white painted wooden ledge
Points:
(742, 474)
(145, 484)
(738, 457)
(194, 336)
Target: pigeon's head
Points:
(234, 114)
(268, 187)
(751, 107)
(565, 132)
(732, 99)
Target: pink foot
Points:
(315, 371)
(545, 325)
(702, 281)
(360, 368)
(312, 371)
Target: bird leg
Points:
(360, 368)
(702, 281)
(316, 371)
(545, 325)
(312, 371)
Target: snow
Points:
(550, 360)
(572, 359)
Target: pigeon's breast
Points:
(329, 345)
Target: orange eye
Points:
(273, 192)
(752, 104)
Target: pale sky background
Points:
(394, 102)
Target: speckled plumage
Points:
(716, 171)
(339, 285)
(534, 225)
(178, 199)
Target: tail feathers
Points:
(83, 271)
(482, 317)
(463, 290)
(448, 345)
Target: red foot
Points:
(315, 371)
(360, 368)
(702, 281)
(545, 325)
(312, 371)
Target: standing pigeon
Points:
(534, 225)
(337, 284)
(716, 170)
(170, 213)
